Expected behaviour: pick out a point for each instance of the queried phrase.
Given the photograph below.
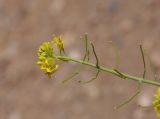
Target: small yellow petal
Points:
(46, 59)
(156, 102)
(58, 41)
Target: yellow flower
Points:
(46, 59)
(156, 102)
(45, 50)
(59, 43)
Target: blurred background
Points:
(27, 93)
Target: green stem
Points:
(112, 71)
(144, 63)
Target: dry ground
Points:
(26, 93)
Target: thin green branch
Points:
(101, 68)
(97, 61)
(92, 79)
(71, 77)
(86, 47)
(117, 57)
(139, 85)
(120, 74)
(144, 63)
(130, 98)
(97, 65)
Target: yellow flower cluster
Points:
(156, 102)
(46, 59)
(59, 43)
(46, 55)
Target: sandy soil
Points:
(26, 93)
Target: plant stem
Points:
(112, 71)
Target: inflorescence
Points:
(47, 60)
(46, 55)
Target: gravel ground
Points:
(26, 93)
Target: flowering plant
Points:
(47, 60)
